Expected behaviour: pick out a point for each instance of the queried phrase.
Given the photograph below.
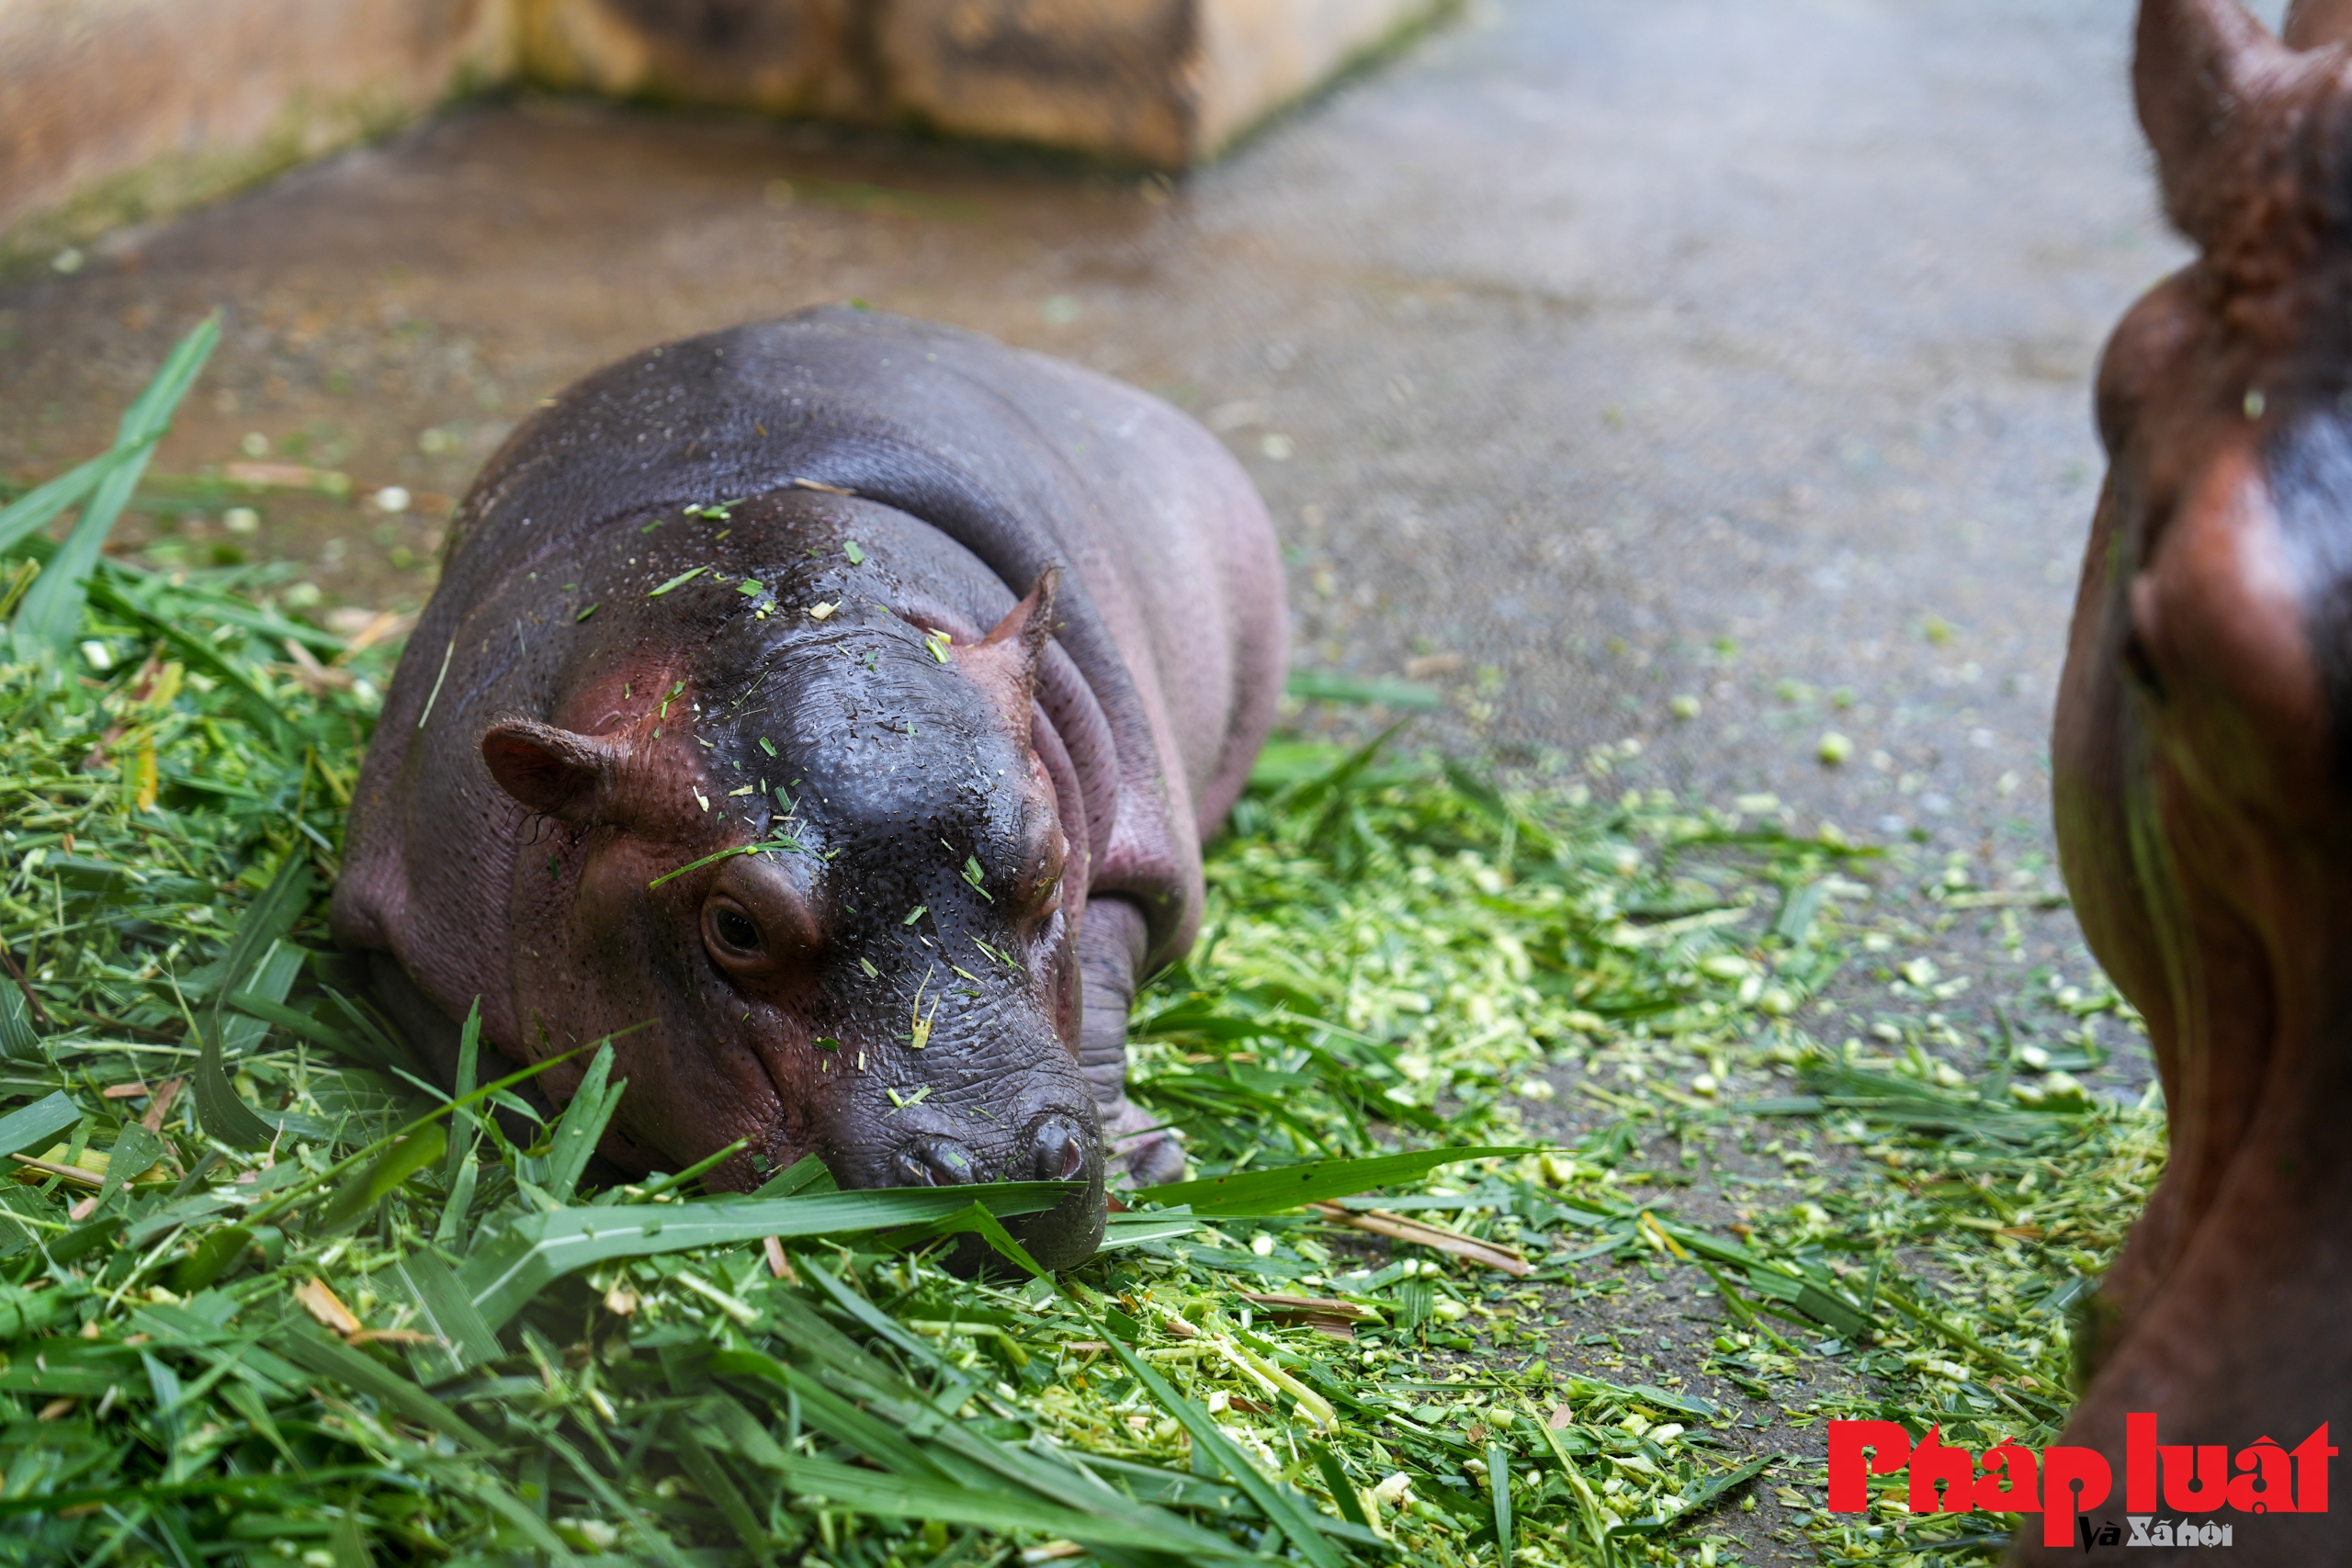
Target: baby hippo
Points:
(836, 705)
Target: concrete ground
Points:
(1596, 352)
(1593, 354)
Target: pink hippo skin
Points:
(2202, 772)
(1054, 646)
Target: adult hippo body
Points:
(837, 705)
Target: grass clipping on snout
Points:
(268, 1297)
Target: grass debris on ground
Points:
(269, 1295)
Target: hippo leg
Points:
(1110, 950)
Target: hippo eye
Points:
(731, 933)
(756, 927)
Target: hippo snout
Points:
(1060, 1150)
(1057, 1145)
(935, 1161)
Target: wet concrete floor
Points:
(1591, 355)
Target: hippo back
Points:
(1169, 621)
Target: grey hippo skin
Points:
(984, 644)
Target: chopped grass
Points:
(271, 1296)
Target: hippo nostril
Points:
(1058, 1150)
(936, 1162)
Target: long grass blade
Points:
(1294, 1186)
(903, 1498)
(531, 1253)
(582, 1125)
(1277, 1505)
(312, 1349)
(37, 508)
(227, 1117)
(49, 617)
(37, 1124)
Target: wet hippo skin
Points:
(978, 644)
(2202, 769)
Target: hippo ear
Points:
(2315, 24)
(2198, 67)
(1004, 663)
(552, 772)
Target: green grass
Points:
(322, 1314)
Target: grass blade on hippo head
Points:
(1291, 1186)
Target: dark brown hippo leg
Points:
(1110, 954)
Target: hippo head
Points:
(804, 840)
(2202, 749)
